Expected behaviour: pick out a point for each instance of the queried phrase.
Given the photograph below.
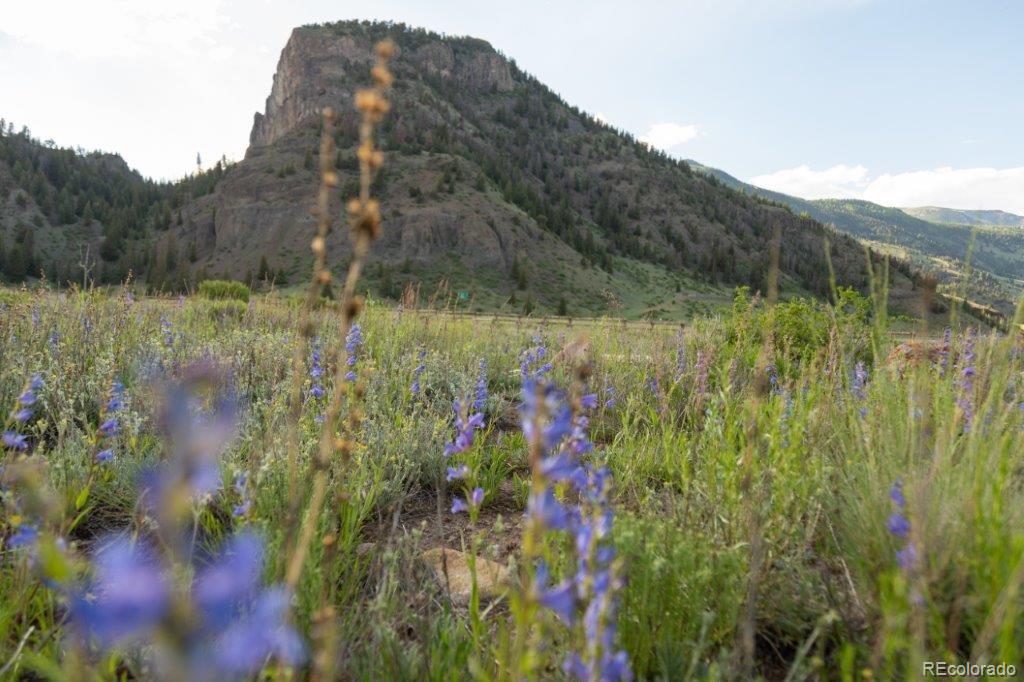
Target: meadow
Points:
(286, 486)
(781, 501)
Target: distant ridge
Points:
(985, 259)
(937, 214)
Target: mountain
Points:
(494, 187)
(69, 214)
(983, 262)
(957, 216)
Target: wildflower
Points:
(127, 598)
(459, 505)
(264, 632)
(109, 427)
(899, 526)
(353, 344)
(548, 511)
(653, 386)
(239, 624)
(947, 344)
(24, 535)
(27, 399)
(680, 355)
(481, 388)
(458, 472)
(414, 389)
(528, 365)
(560, 599)
(476, 498)
(168, 332)
(241, 487)
(15, 440)
(907, 557)
(316, 371)
(557, 423)
(465, 427)
(116, 401)
(196, 435)
(596, 578)
(610, 401)
(589, 401)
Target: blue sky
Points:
(904, 102)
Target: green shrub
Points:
(218, 289)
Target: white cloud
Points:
(963, 188)
(840, 181)
(665, 136)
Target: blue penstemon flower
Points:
(23, 411)
(353, 345)
(560, 441)
(415, 388)
(480, 399)
(899, 526)
(139, 589)
(109, 426)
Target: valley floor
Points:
(770, 493)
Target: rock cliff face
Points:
(493, 183)
(318, 67)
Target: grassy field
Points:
(781, 500)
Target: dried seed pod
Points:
(386, 49)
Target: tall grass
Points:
(745, 441)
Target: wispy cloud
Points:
(839, 181)
(665, 136)
(963, 188)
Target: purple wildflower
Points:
(24, 535)
(965, 400)
(899, 526)
(316, 371)
(241, 487)
(15, 440)
(353, 344)
(414, 389)
(109, 427)
(480, 401)
(531, 364)
(465, 427)
(458, 472)
(548, 511)
(128, 597)
(557, 423)
(262, 632)
(560, 598)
